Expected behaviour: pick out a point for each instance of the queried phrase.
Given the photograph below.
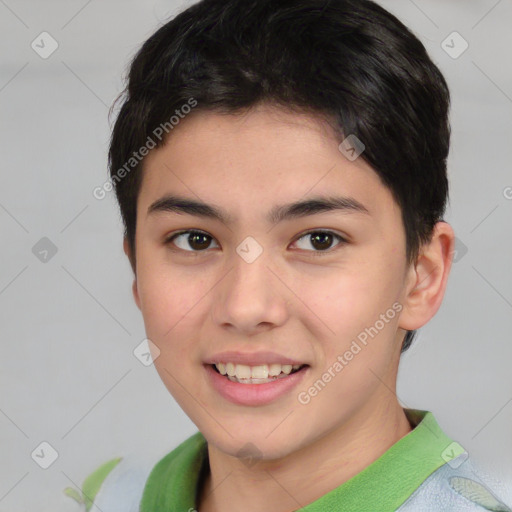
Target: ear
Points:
(135, 291)
(427, 278)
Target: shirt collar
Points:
(385, 484)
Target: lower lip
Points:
(253, 394)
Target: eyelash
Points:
(342, 241)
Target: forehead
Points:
(249, 162)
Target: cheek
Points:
(167, 303)
(359, 305)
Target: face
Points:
(249, 281)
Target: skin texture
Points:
(294, 299)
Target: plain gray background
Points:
(69, 326)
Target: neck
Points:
(304, 476)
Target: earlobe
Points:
(427, 280)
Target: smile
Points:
(242, 388)
(260, 374)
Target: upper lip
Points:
(251, 359)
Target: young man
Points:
(280, 167)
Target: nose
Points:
(250, 299)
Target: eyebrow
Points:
(279, 213)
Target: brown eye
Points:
(321, 241)
(196, 241)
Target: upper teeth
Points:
(242, 371)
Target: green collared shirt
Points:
(175, 482)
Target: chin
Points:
(253, 444)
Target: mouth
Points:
(255, 384)
(259, 374)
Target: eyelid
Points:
(342, 240)
(174, 234)
(169, 239)
(321, 230)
